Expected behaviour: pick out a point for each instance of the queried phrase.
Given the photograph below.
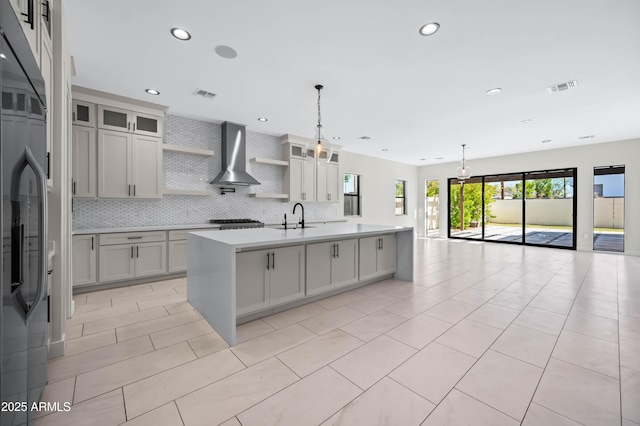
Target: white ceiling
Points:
(419, 97)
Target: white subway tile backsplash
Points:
(193, 172)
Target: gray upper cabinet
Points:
(83, 114)
(110, 118)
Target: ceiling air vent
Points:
(563, 86)
(204, 94)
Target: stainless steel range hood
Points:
(234, 140)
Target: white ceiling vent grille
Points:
(563, 86)
(204, 94)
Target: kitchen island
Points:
(240, 275)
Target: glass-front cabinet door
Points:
(83, 114)
(114, 119)
(150, 125)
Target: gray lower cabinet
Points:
(85, 249)
(127, 261)
(177, 247)
(331, 265)
(177, 256)
(377, 256)
(124, 256)
(270, 277)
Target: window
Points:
(401, 199)
(352, 195)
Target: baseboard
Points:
(632, 252)
(56, 349)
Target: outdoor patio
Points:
(602, 241)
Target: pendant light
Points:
(463, 173)
(323, 144)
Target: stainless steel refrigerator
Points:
(25, 309)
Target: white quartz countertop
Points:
(263, 237)
(142, 228)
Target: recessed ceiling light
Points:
(365, 138)
(439, 158)
(527, 121)
(494, 91)
(385, 149)
(152, 91)
(180, 34)
(336, 138)
(226, 52)
(264, 120)
(429, 29)
(422, 159)
(3, 56)
(546, 141)
(586, 137)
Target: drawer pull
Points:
(134, 238)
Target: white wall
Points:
(378, 189)
(585, 158)
(554, 211)
(609, 212)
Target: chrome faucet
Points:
(294, 212)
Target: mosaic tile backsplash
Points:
(184, 171)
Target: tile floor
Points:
(487, 334)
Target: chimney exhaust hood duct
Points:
(234, 140)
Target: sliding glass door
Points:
(466, 208)
(549, 208)
(533, 208)
(504, 209)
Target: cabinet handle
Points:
(137, 251)
(333, 250)
(92, 243)
(337, 250)
(128, 125)
(134, 190)
(381, 244)
(46, 15)
(268, 261)
(29, 14)
(74, 188)
(134, 126)
(129, 190)
(132, 252)
(273, 261)
(73, 116)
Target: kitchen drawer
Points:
(181, 234)
(132, 237)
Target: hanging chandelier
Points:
(463, 173)
(323, 144)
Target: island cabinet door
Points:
(286, 281)
(368, 257)
(252, 281)
(319, 258)
(344, 268)
(387, 255)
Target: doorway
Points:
(432, 203)
(608, 209)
